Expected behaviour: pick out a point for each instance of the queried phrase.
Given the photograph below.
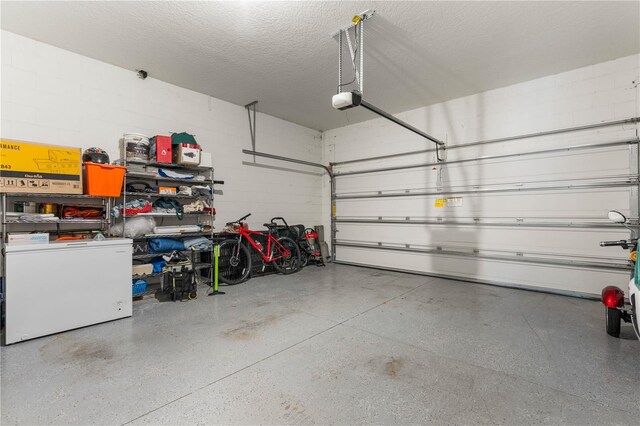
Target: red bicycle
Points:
(235, 258)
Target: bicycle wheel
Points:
(305, 253)
(288, 264)
(234, 262)
(304, 258)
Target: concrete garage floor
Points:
(339, 344)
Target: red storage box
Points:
(161, 149)
(103, 180)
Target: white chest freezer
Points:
(64, 285)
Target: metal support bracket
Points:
(252, 124)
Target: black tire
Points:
(305, 253)
(612, 318)
(233, 266)
(634, 315)
(291, 263)
(304, 259)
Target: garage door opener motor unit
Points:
(343, 100)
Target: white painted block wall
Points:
(50, 95)
(603, 92)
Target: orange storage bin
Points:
(103, 180)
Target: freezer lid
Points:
(60, 245)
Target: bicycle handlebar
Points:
(239, 220)
(273, 219)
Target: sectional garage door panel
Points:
(580, 281)
(578, 205)
(532, 220)
(560, 241)
(613, 162)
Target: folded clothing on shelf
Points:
(132, 208)
(184, 190)
(201, 190)
(196, 206)
(174, 175)
(38, 217)
(160, 245)
(164, 211)
(198, 243)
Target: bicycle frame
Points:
(282, 250)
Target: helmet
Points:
(95, 155)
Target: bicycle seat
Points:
(269, 225)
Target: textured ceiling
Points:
(282, 54)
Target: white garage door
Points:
(521, 212)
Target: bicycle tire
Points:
(233, 266)
(304, 258)
(305, 253)
(290, 264)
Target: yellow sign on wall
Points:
(448, 202)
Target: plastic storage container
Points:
(139, 287)
(103, 180)
(136, 146)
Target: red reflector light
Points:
(612, 297)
